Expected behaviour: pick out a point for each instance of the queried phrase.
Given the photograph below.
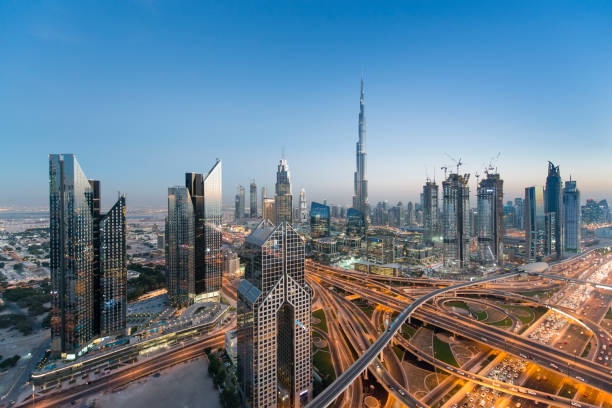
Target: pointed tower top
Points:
(362, 88)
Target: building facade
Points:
(283, 199)
(490, 232)
(113, 270)
(303, 209)
(87, 258)
(456, 220)
(320, 220)
(274, 319)
(239, 204)
(431, 226)
(535, 224)
(180, 247)
(553, 240)
(572, 217)
(253, 200)
(360, 182)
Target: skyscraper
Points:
(519, 209)
(534, 218)
(431, 226)
(87, 258)
(239, 209)
(267, 210)
(360, 198)
(410, 213)
(303, 210)
(320, 218)
(113, 270)
(355, 223)
(456, 220)
(553, 242)
(491, 220)
(253, 200)
(264, 195)
(273, 319)
(180, 247)
(213, 257)
(283, 199)
(205, 195)
(572, 216)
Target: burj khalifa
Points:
(360, 198)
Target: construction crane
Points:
(490, 168)
(477, 175)
(444, 168)
(458, 163)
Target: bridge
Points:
(333, 391)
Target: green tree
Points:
(219, 378)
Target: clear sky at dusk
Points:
(143, 91)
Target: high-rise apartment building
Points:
(490, 232)
(303, 209)
(410, 219)
(113, 270)
(239, 208)
(87, 258)
(572, 217)
(535, 222)
(431, 226)
(360, 182)
(553, 240)
(274, 319)
(253, 200)
(180, 247)
(519, 218)
(320, 220)
(283, 199)
(596, 212)
(456, 220)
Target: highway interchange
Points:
(363, 345)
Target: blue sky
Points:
(143, 91)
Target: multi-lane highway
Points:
(337, 387)
(127, 374)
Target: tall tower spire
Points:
(360, 198)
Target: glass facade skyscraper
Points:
(239, 204)
(490, 197)
(205, 192)
(534, 219)
(456, 220)
(274, 319)
(320, 220)
(355, 223)
(87, 258)
(572, 217)
(113, 270)
(431, 226)
(213, 257)
(180, 247)
(253, 200)
(553, 240)
(283, 199)
(360, 182)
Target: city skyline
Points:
(529, 102)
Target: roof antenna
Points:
(283, 153)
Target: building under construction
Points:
(490, 220)
(456, 220)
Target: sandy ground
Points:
(184, 386)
